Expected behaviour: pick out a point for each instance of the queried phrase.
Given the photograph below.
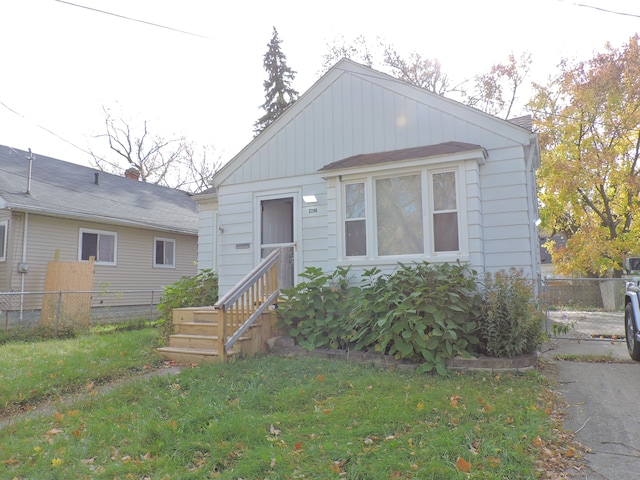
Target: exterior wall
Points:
(239, 224)
(356, 110)
(5, 267)
(207, 234)
(355, 115)
(134, 269)
(507, 221)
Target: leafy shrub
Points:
(510, 323)
(423, 312)
(197, 291)
(315, 310)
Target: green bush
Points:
(197, 291)
(315, 311)
(423, 313)
(510, 323)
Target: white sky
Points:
(61, 64)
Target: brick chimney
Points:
(133, 173)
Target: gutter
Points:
(100, 219)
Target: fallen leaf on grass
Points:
(462, 465)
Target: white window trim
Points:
(3, 247)
(426, 172)
(166, 240)
(100, 232)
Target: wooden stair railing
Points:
(245, 302)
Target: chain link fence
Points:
(585, 307)
(71, 309)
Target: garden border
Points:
(285, 346)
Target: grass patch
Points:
(34, 371)
(608, 358)
(284, 418)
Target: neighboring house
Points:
(142, 236)
(366, 170)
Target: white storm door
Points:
(277, 231)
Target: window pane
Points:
(168, 253)
(399, 215)
(354, 193)
(445, 232)
(159, 252)
(356, 238)
(89, 246)
(106, 248)
(444, 191)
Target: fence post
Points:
(58, 312)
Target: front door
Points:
(276, 225)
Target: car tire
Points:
(630, 332)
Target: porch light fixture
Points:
(310, 199)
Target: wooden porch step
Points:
(186, 340)
(196, 328)
(192, 355)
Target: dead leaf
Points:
(274, 431)
(462, 465)
(55, 431)
(58, 416)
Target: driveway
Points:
(603, 406)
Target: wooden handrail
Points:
(245, 302)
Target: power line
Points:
(46, 129)
(134, 19)
(600, 8)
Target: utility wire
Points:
(46, 129)
(600, 8)
(134, 19)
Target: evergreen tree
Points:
(279, 94)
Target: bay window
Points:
(414, 213)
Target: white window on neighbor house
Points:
(100, 244)
(4, 227)
(409, 214)
(164, 252)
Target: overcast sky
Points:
(62, 63)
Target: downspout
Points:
(24, 260)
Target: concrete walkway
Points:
(602, 399)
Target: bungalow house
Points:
(142, 236)
(366, 170)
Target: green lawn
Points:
(282, 418)
(34, 371)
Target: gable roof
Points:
(367, 159)
(68, 190)
(334, 94)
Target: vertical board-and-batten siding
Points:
(238, 214)
(134, 270)
(207, 234)
(506, 212)
(356, 112)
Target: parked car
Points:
(632, 309)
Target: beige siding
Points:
(5, 267)
(134, 269)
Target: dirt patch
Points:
(15, 413)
